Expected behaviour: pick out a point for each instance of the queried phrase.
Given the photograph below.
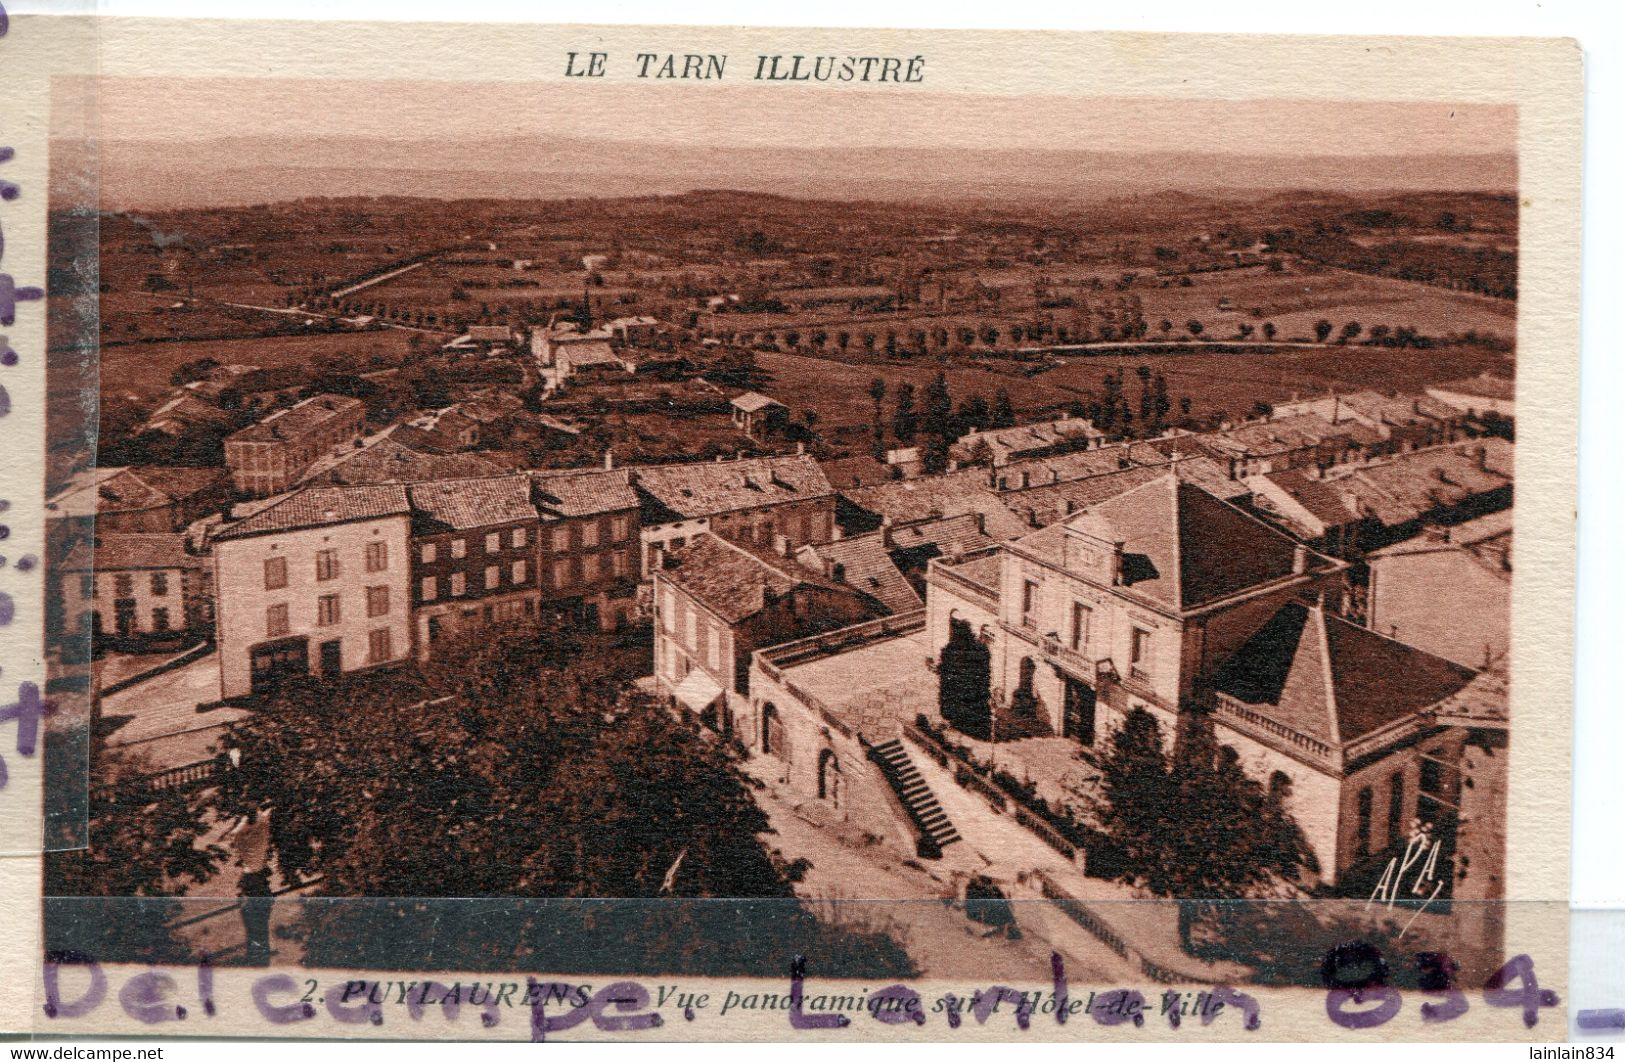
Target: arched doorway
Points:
(964, 676)
(772, 730)
(829, 777)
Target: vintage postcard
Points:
(553, 532)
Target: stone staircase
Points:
(935, 830)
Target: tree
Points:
(1323, 328)
(1194, 327)
(905, 422)
(1193, 826)
(1144, 373)
(1160, 404)
(1269, 330)
(1350, 331)
(939, 408)
(877, 392)
(1003, 414)
(1166, 325)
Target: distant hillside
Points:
(246, 170)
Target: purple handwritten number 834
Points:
(1358, 995)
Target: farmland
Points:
(144, 369)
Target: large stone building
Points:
(269, 456)
(777, 503)
(588, 545)
(473, 556)
(314, 583)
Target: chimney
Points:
(981, 521)
(609, 460)
(1300, 559)
(1117, 564)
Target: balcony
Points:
(1243, 718)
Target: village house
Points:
(1000, 446)
(181, 414)
(136, 499)
(314, 583)
(776, 503)
(383, 458)
(448, 429)
(716, 602)
(588, 546)
(137, 588)
(473, 556)
(759, 416)
(268, 457)
(864, 563)
(1404, 422)
(1448, 590)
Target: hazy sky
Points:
(755, 115)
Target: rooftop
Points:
(863, 563)
(126, 552)
(1182, 547)
(461, 504)
(584, 493)
(130, 489)
(316, 506)
(386, 460)
(1331, 680)
(752, 402)
(299, 419)
(707, 488)
(732, 581)
(907, 501)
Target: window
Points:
(677, 543)
(619, 525)
(589, 535)
(276, 573)
(519, 571)
(1029, 603)
(618, 564)
(1080, 626)
(427, 553)
(559, 575)
(123, 585)
(606, 565)
(377, 600)
(160, 584)
(1432, 777)
(577, 570)
(87, 586)
(561, 539)
(276, 621)
(457, 584)
(327, 610)
(327, 565)
(429, 588)
(493, 541)
(459, 547)
(518, 538)
(1362, 829)
(1396, 804)
(377, 556)
(1139, 653)
(378, 648)
(160, 619)
(493, 576)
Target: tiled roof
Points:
(750, 402)
(865, 566)
(461, 504)
(1182, 547)
(588, 352)
(315, 506)
(1043, 506)
(1025, 437)
(131, 489)
(1332, 680)
(733, 581)
(859, 471)
(126, 552)
(709, 488)
(1322, 500)
(942, 538)
(907, 501)
(298, 419)
(389, 461)
(585, 493)
(984, 571)
(1403, 488)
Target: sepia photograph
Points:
(673, 528)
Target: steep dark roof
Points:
(1332, 680)
(315, 506)
(1182, 547)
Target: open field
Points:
(1234, 382)
(144, 368)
